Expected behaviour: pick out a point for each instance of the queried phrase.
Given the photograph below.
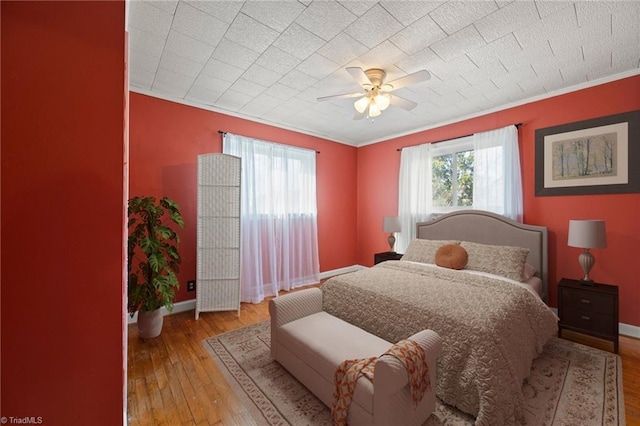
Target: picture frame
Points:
(596, 156)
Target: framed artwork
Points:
(597, 156)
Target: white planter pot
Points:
(149, 323)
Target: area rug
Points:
(570, 384)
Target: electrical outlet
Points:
(191, 285)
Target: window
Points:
(284, 176)
(481, 171)
(452, 176)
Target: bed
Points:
(492, 327)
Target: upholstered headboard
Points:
(489, 228)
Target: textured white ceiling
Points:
(268, 61)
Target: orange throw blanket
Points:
(411, 354)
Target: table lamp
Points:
(391, 224)
(587, 234)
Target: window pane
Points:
(452, 179)
(442, 180)
(465, 179)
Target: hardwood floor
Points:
(172, 380)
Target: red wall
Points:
(63, 211)
(378, 167)
(166, 139)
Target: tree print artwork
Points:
(586, 157)
(595, 156)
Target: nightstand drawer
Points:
(588, 300)
(593, 321)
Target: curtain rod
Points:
(450, 139)
(222, 132)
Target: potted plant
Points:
(152, 260)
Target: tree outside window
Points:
(452, 180)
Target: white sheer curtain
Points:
(497, 182)
(415, 193)
(278, 217)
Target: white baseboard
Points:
(187, 305)
(334, 272)
(629, 330)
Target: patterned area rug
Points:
(570, 384)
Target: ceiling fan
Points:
(377, 94)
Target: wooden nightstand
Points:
(591, 310)
(387, 255)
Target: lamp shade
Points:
(361, 104)
(587, 234)
(374, 111)
(391, 224)
(383, 100)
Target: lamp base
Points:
(587, 282)
(587, 261)
(392, 241)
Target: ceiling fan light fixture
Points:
(361, 104)
(382, 101)
(374, 110)
(377, 97)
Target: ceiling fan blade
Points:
(358, 74)
(407, 80)
(402, 103)
(342, 96)
(359, 115)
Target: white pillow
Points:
(506, 261)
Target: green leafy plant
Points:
(152, 248)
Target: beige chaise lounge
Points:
(311, 344)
